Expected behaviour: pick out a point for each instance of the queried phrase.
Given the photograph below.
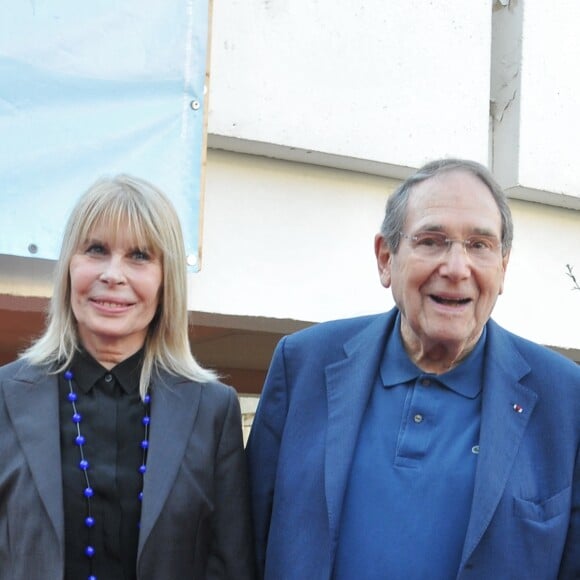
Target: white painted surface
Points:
(536, 94)
(397, 83)
(381, 87)
(550, 120)
(539, 302)
(290, 241)
(25, 276)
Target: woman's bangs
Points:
(123, 220)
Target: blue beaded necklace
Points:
(84, 464)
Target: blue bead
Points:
(84, 464)
(79, 440)
(147, 399)
(77, 418)
(92, 577)
(146, 420)
(144, 444)
(68, 375)
(89, 492)
(89, 521)
(142, 469)
(89, 551)
(140, 496)
(72, 397)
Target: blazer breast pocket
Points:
(544, 510)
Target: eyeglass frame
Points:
(448, 242)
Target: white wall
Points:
(290, 241)
(375, 86)
(287, 240)
(381, 87)
(538, 300)
(536, 99)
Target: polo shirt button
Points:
(108, 378)
(418, 418)
(425, 382)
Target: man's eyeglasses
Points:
(431, 245)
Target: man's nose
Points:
(456, 261)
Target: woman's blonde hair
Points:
(148, 216)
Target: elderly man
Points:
(427, 442)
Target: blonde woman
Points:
(122, 458)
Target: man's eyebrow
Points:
(439, 228)
(484, 232)
(431, 228)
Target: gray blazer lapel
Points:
(349, 383)
(174, 407)
(32, 404)
(502, 429)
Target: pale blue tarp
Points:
(97, 88)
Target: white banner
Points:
(93, 89)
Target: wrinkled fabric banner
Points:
(94, 89)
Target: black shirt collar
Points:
(87, 371)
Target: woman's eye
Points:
(140, 255)
(96, 249)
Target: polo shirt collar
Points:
(465, 379)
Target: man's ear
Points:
(383, 255)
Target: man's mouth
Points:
(450, 301)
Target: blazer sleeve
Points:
(570, 566)
(230, 554)
(263, 451)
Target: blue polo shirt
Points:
(409, 495)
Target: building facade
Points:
(317, 110)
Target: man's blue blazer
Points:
(525, 517)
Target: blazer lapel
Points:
(506, 408)
(349, 383)
(174, 407)
(32, 403)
